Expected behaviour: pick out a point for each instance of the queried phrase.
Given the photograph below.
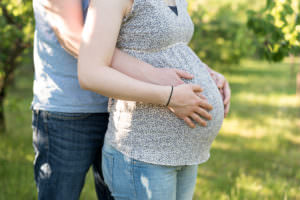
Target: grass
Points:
(255, 156)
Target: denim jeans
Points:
(66, 145)
(130, 179)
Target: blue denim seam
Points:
(45, 116)
(111, 160)
(112, 169)
(132, 163)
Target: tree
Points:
(16, 34)
(221, 37)
(277, 30)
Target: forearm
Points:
(135, 68)
(99, 79)
(121, 61)
(66, 20)
(70, 43)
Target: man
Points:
(69, 123)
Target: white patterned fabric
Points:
(152, 32)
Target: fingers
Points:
(198, 119)
(196, 88)
(226, 109)
(204, 104)
(183, 74)
(178, 82)
(203, 113)
(189, 122)
(227, 93)
(201, 96)
(220, 81)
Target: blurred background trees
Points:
(256, 154)
(277, 31)
(262, 30)
(16, 34)
(224, 34)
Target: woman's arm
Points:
(96, 53)
(66, 20)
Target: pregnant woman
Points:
(148, 152)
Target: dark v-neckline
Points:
(174, 9)
(168, 7)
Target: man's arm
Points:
(224, 88)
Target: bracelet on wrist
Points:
(171, 93)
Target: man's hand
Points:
(170, 76)
(187, 104)
(224, 88)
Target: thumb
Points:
(183, 74)
(196, 88)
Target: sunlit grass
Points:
(255, 156)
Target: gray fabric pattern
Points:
(150, 133)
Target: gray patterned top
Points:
(152, 32)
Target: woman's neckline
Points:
(174, 9)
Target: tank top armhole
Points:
(132, 9)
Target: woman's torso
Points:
(152, 32)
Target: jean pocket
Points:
(107, 168)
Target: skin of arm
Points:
(95, 57)
(66, 19)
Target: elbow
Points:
(83, 83)
(83, 78)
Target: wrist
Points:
(164, 95)
(170, 96)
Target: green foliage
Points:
(16, 20)
(255, 156)
(277, 28)
(16, 34)
(221, 38)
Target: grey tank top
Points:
(153, 33)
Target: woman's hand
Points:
(187, 105)
(170, 76)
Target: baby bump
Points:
(136, 117)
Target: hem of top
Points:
(71, 110)
(186, 163)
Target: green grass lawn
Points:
(255, 156)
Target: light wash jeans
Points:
(130, 179)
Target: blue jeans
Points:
(66, 145)
(130, 179)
